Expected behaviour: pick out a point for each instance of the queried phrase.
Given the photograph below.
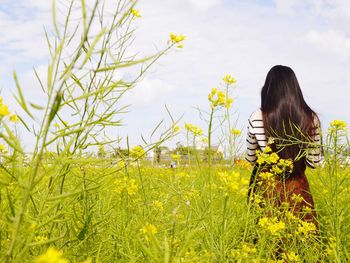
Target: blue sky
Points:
(243, 38)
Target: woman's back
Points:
(290, 129)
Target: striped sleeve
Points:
(314, 154)
(252, 144)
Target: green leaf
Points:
(21, 101)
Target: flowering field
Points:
(141, 213)
(61, 201)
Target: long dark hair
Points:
(287, 117)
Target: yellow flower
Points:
(236, 132)
(52, 256)
(40, 239)
(4, 111)
(229, 80)
(2, 147)
(176, 38)
(176, 128)
(137, 152)
(297, 198)
(196, 130)
(266, 176)
(158, 204)
(149, 229)
(338, 125)
(218, 98)
(228, 103)
(291, 257)
(267, 149)
(14, 118)
(132, 187)
(125, 184)
(32, 226)
(273, 158)
(306, 228)
(273, 225)
(135, 13)
(175, 157)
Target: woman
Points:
(290, 129)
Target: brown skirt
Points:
(293, 190)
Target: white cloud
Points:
(331, 42)
(205, 4)
(148, 92)
(287, 6)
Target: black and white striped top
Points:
(256, 140)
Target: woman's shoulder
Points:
(256, 116)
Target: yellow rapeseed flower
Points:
(196, 130)
(218, 98)
(158, 204)
(229, 80)
(52, 255)
(137, 152)
(40, 239)
(176, 128)
(14, 118)
(149, 229)
(273, 158)
(306, 228)
(175, 157)
(266, 176)
(126, 184)
(236, 132)
(291, 257)
(297, 198)
(2, 147)
(176, 38)
(4, 110)
(273, 225)
(267, 149)
(135, 13)
(338, 125)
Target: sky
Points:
(241, 38)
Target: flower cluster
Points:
(4, 111)
(149, 229)
(218, 98)
(232, 183)
(306, 229)
(175, 157)
(273, 225)
(277, 165)
(126, 184)
(338, 125)
(176, 39)
(51, 256)
(229, 80)
(196, 130)
(236, 132)
(267, 176)
(245, 252)
(291, 257)
(137, 152)
(135, 13)
(158, 205)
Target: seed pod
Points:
(56, 105)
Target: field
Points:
(141, 213)
(77, 197)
